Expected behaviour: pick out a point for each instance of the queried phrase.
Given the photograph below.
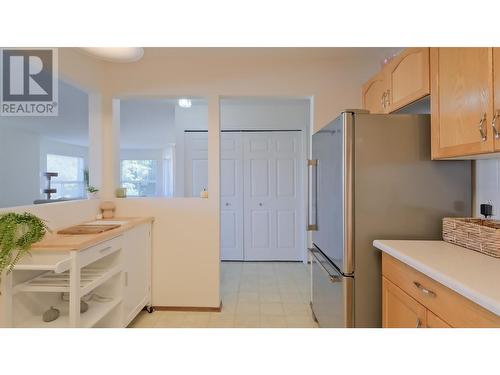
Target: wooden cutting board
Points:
(87, 229)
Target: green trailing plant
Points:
(17, 233)
(92, 189)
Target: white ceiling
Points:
(337, 53)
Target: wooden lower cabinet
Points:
(412, 299)
(399, 310)
(434, 321)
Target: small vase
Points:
(94, 195)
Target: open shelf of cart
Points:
(96, 312)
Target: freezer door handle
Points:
(333, 278)
(312, 195)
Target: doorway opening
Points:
(263, 152)
(262, 179)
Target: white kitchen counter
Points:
(469, 273)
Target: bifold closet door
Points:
(196, 162)
(231, 190)
(272, 195)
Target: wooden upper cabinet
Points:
(408, 77)
(374, 94)
(399, 309)
(495, 123)
(402, 81)
(461, 101)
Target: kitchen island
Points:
(109, 271)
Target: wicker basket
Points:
(475, 234)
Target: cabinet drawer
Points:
(456, 310)
(100, 250)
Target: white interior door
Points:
(196, 162)
(272, 192)
(231, 190)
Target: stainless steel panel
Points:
(332, 147)
(332, 298)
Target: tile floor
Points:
(254, 295)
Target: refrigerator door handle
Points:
(333, 278)
(312, 194)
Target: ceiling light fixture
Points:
(127, 54)
(185, 103)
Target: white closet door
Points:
(272, 195)
(196, 162)
(231, 190)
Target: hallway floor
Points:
(254, 294)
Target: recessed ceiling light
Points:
(185, 103)
(126, 54)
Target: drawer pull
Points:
(419, 323)
(106, 249)
(426, 291)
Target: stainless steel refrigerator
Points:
(371, 177)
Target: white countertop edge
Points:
(455, 285)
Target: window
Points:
(172, 135)
(70, 181)
(139, 177)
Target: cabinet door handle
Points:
(388, 97)
(494, 125)
(382, 100)
(481, 127)
(419, 323)
(426, 291)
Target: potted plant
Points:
(92, 192)
(17, 233)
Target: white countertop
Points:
(467, 272)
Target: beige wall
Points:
(186, 230)
(334, 83)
